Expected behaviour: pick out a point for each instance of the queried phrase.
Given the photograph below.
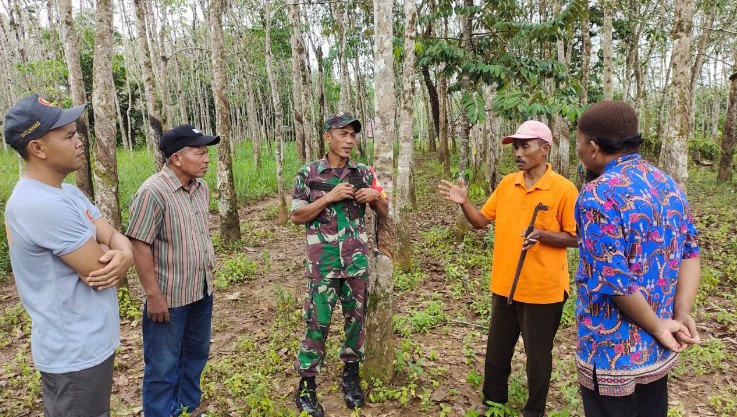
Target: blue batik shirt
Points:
(635, 227)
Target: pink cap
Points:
(531, 129)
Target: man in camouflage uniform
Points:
(329, 198)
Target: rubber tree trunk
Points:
(155, 128)
(608, 50)
(379, 329)
(674, 151)
(402, 202)
(278, 118)
(297, 96)
(105, 170)
(76, 85)
(230, 230)
(726, 164)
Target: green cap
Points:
(342, 120)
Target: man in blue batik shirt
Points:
(639, 270)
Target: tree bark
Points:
(345, 104)
(608, 49)
(155, 128)
(321, 98)
(715, 104)
(105, 171)
(443, 138)
(406, 143)
(379, 330)
(306, 108)
(361, 105)
(434, 100)
(76, 85)
(585, 56)
(253, 123)
(161, 55)
(227, 201)
(561, 130)
(493, 155)
(299, 105)
(278, 118)
(465, 127)
(701, 50)
(726, 164)
(674, 151)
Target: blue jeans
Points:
(174, 355)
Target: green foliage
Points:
(706, 358)
(420, 321)
(236, 269)
(130, 307)
(381, 393)
(706, 148)
(23, 388)
(505, 59)
(474, 378)
(254, 237)
(726, 402)
(14, 322)
(408, 281)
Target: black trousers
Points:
(648, 400)
(537, 323)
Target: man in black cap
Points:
(329, 198)
(174, 258)
(66, 259)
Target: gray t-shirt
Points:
(74, 327)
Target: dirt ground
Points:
(249, 308)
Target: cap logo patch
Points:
(196, 131)
(44, 102)
(30, 129)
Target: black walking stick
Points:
(530, 228)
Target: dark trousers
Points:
(538, 324)
(84, 393)
(648, 400)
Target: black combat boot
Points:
(352, 386)
(307, 397)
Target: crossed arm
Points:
(104, 259)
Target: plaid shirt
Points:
(174, 221)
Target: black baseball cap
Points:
(342, 120)
(184, 135)
(32, 117)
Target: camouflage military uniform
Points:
(337, 262)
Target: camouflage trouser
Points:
(320, 299)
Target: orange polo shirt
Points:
(544, 275)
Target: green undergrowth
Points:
(248, 381)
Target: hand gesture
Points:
(690, 338)
(452, 192)
(531, 239)
(117, 263)
(367, 195)
(342, 191)
(666, 334)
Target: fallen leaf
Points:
(440, 394)
(235, 296)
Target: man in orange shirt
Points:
(543, 284)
